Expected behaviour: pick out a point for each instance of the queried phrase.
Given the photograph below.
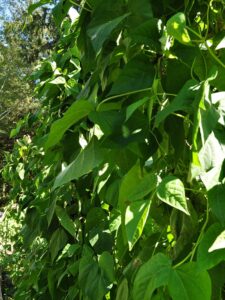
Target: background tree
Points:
(25, 40)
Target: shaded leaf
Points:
(65, 220)
(133, 79)
(88, 159)
(77, 111)
(95, 279)
(123, 291)
(183, 101)
(132, 107)
(136, 185)
(205, 259)
(217, 202)
(151, 275)
(57, 242)
(106, 264)
(99, 34)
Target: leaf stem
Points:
(214, 56)
(207, 47)
(122, 95)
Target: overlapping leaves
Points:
(128, 156)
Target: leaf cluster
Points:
(123, 181)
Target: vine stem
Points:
(131, 93)
(201, 233)
(80, 6)
(122, 95)
(207, 47)
(192, 253)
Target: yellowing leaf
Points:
(176, 27)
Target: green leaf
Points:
(72, 293)
(20, 170)
(183, 101)
(77, 111)
(65, 220)
(133, 79)
(176, 27)
(88, 159)
(60, 11)
(58, 80)
(171, 191)
(90, 281)
(205, 259)
(146, 33)
(57, 242)
(219, 243)
(34, 6)
(151, 275)
(221, 44)
(141, 11)
(122, 291)
(189, 283)
(136, 185)
(100, 33)
(131, 108)
(108, 121)
(217, 203)
(95, 279)
(135, 218)
(211, 157)
(186, 282)
(106, 264)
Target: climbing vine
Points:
(122, 182)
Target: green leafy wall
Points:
(123, 182)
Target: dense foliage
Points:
(122, 184)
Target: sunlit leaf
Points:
(219, 242)
(171, 191)
(135, 218)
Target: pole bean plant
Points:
(121, 175)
